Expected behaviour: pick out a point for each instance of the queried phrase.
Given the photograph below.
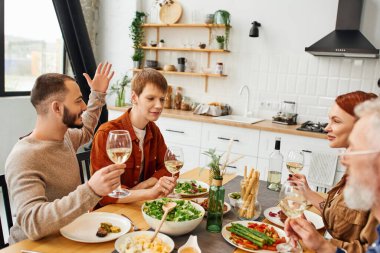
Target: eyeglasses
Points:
(359, 152)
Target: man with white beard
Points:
(362, 190)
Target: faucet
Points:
(247, 104)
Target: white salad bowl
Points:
(175, 227)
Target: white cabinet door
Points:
(184, 132)
(113, 114)
(246, 141)
(235, 168)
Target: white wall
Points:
(274, 65)
(18, 116)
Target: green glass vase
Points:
(215, 205)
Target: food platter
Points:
(314, 218)
(120, 244)
(227, 234)
(201, 200)
(84, 228)
(185, 193)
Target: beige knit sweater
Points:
(44, 182)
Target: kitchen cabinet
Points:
(209, 51)
(185, 134)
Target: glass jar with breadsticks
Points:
(247, 207)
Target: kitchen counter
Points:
(265, 125)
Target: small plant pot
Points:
(136, 64)
(220, 45)
(161, 44)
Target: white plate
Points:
(310, 216)
(200, 201)
(84, 228)
(198, 183)
(226, 235)
(166, 239)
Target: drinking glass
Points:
(119, 148)
(293, 203)
(295, 161)
(174, 162)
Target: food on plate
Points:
(255, 236)
(141, 243)
(204, 204)
(189, 187)
(184, 210)
(105, 228)
(280, 214)
(235, 195)
(249, 189)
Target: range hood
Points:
(346, 40)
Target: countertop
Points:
(265, 125)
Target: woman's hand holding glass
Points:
(119, 148)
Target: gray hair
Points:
(371, 108)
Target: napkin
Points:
(322, 169)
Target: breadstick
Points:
(245, 172)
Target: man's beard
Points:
(357, 196)
(70, 118)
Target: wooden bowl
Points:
(169, 67)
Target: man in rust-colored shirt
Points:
(145, 174)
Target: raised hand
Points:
(102, 77)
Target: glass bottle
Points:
(275, 167)
(215, 205)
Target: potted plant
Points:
(214, 164)
(137, 36)
(224, 17)
(161, 43)
(119, 89)
(220, 40)
(137, 58)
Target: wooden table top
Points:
(57, 243)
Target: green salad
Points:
(189, 187)
(184, 210)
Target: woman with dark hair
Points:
(351, 229)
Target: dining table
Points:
(208, 242)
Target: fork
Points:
(135, 228)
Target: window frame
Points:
(3, 92)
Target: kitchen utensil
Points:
(287, 114)
(135, 228)
(169, 67)
(167, 208)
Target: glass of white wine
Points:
(295, 161)
(174, 162)
(293, 203)
(119, 148)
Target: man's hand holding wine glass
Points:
(107, 179)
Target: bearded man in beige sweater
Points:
(42, 171)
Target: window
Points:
(32, 43)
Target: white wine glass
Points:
(119, 148)
(174, 162)
(293, 203)
(295, 161)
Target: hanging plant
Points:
(137, 35)
(224, 17)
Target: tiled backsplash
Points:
(312, 82)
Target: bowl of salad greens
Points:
(184, 218)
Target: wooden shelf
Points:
(206, 50)
(186, 73)
(186, 25)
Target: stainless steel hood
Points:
(346, 40)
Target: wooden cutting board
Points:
(170, 14)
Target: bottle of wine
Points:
(275, 167)
(215, 205)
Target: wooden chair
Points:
(8, 211)
(84, 165)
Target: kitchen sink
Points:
(238, 118)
